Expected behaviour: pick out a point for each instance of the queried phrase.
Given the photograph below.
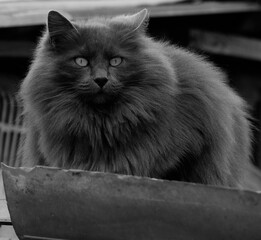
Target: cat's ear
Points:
(139, 20)
(59, 27)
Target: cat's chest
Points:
(79, 153)
(105, 147)
(85, 147)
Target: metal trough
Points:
(48, 203)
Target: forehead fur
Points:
(118, 24)
(101, 35)
(97, 34)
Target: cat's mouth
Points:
(99, 98)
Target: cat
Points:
(102, 95)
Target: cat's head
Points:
(98, 61)
(95, 57)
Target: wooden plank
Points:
(6, 229)
(4, 213)
(223, 44)
(92, 205)
(26, 13)
(7, 233)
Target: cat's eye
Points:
(82, 62)
(115, 61)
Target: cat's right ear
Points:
(59, 27)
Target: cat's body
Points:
(164, 112)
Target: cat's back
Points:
(196, 73)
(204, 92)
(199, 77)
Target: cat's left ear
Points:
(140, 20)
(59, 27)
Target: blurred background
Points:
(227, 32)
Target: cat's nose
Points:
(101, 81)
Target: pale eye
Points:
(82, 62)
(115, 61)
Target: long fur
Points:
(167, 113)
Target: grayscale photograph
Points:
(130, 120)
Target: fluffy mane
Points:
(164, 112)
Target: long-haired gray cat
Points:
(101, 95)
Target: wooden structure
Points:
(6, 228)
(225, 44)
(28, 13)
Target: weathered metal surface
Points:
(53, 203)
